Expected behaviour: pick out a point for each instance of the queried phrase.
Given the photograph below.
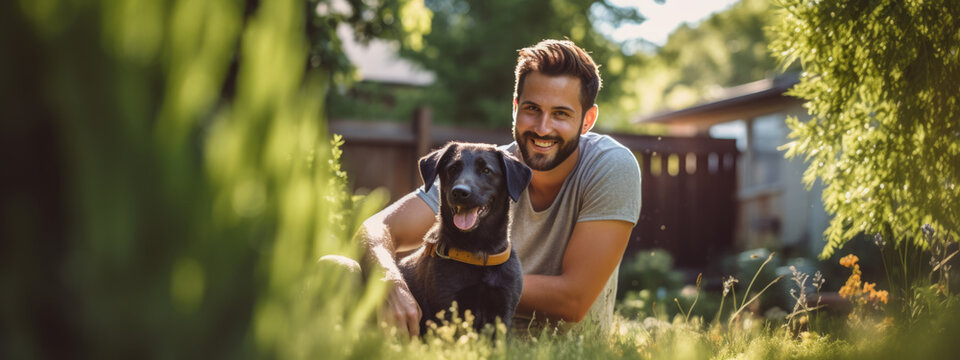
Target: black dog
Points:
(468, 258)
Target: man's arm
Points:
(594, 250)
(399, 227)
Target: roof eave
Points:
(761, 102)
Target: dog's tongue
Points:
(466, 218)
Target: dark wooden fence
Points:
(688, 184)
(688, 193)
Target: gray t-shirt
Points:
(604, 185)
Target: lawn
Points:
(877, 326)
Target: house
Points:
(774, 208)
(387, 86)
(379, 61)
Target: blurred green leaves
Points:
(175, 183)
(187, 284)
(880, 81)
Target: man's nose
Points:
(543, 126)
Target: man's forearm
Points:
(592, 255)
(401, 226)
(552, 297)
(400, 308)
(378, 250)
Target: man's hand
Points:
(401, 310)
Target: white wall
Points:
(771, 187)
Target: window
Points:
(731, 130)
(768, 133)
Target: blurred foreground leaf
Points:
(173, 185)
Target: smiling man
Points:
(571, 225)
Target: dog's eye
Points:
(454, 168)
(485, 171)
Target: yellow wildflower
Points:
(878, 296)
(852, 287)
(849, 260)
(869, 287)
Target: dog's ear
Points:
(518, 175)
(430, 164)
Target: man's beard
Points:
(542, 162)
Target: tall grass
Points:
(174, 219)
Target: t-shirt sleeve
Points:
(612, 190)
(431, 197)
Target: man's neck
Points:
(545, 185)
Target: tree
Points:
(404, 21)
(880, 83)
(728, 48)
(472, 48)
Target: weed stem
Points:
(755, 278)
(755, 297)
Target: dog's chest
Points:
(493, 278)
(472, 275)
(451, 278)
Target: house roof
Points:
(378, 61)
(745, 101)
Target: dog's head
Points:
(473, 181)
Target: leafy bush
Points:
(648, 270)
(884, 136)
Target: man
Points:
(571, 225)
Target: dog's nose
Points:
(461, 192)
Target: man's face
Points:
(547, 120)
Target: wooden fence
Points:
(688, 184)
(689, 196)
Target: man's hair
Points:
(560, 57)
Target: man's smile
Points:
(543, 145)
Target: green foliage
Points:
(649, 285)
(648, 270)
(376, 101)
(728, 48)
(170, 221)
(880, 82)
(472, 49)
(404, 21)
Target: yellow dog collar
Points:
(468, 257)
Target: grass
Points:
(806, 333)
(676, 339)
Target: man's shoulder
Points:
(600, 148)
(609, 181)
